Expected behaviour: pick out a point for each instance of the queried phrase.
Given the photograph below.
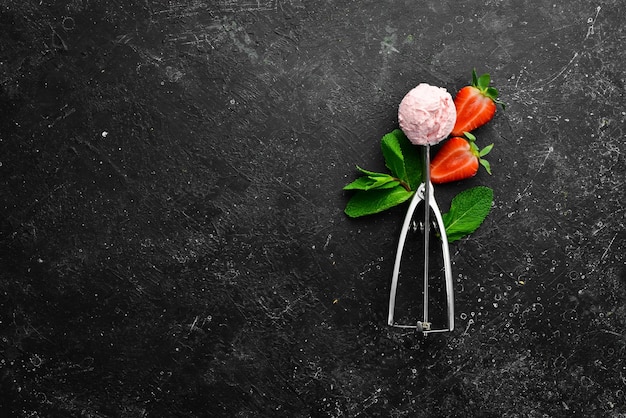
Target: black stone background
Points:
(173, 240)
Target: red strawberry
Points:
(475, 105)
(458, 159)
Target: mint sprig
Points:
(373, 180)
(467, 212)
(377, 192)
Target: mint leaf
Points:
(377, 192)
(402, 158)
(369, 183)
(467, 212)
(394, 160)
(373, 201)
(371, 173)
(413, 161)
(372, 181)
(387, 184)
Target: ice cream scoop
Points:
(427, 114)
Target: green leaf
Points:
(372, 181)
(376, 192)
(394, 160)
(373, 201)
(492, 92)
(371, 173)
(369, 183)
(485, 150)
(388, 184)
(474, 78)
(483, 81)
(467, 212)
(413, 160)
(362, 183)
(482, 84)
(485, 164)
(402, 158)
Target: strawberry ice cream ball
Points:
(427, 114)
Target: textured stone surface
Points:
(173, 240)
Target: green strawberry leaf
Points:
(467, 212)
(373, 201)
(485, 150)
(485, 164)
(483, 82)
(474, 78)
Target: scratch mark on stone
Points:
(66, 112)
(550, 149)
(304, 198)
(591, 21)
(608, 248)
(180, 9)
(370, 400)
(193, 325)
(565, 67)
(57, 42)
(104, 157)
(328, 240)
(123, 39)
(147, 56)
(530, 183)
(469, 324)
(600, 226)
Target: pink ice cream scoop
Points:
(427, 114)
